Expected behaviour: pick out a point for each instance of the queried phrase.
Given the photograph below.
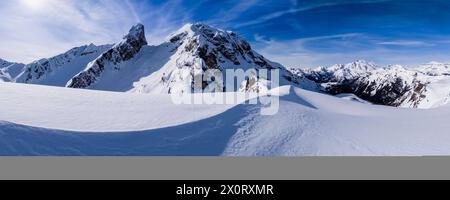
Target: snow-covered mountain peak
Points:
(396, 69)
(55, 71)
(361, 65)
(135, 37)
(132, 65)
(340, 72)
(197, 29)
(435, 69)
(132, 42)
(214, 44)
(199, 47)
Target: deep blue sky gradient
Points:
(403, 31)
(297, 33)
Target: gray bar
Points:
(224, 168)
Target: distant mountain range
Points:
(427, 86)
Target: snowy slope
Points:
(86, 110)
(9, 70)
(56, 71)
(307, 124)
(330, 127)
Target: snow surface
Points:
(95, 111)
(82, 122)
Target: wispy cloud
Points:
(234, 12)
(407, 43)
(344, 48)
(32, 31)
(297, 46)
(307, 7)
(44, 28)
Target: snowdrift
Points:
(94, 123)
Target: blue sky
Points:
(296, 33)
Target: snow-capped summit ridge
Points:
(55, 71)
(198, 48)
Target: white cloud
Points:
(47, 27)
(407, 43)
(34, 29)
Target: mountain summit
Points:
(172, 66)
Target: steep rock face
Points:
(391, 86)
(56, 71)
(111, 59)
(198, 48)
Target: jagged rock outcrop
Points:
(112, 58)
